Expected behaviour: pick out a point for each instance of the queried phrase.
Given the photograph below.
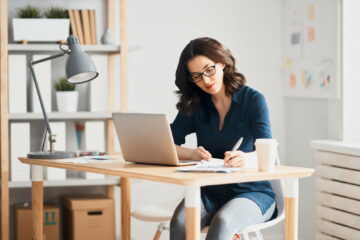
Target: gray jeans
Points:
(231, 218)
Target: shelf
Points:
(68, 182)
(55, 47)
(59, 116)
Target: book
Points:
(17, 83)
(19, 147)
(99, 87)
(72, 22)
(43, 75)
(78, 26)
(92, 26)
(85, 20)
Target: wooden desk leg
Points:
(125, 208)
(37, 202)
(192, 204)
(291, 208)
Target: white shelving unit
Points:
(60, 116)
(6, 118)
(55, 47)
(70, 182)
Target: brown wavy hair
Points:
(189, 93)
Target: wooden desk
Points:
(191, 181)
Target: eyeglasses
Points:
(208, 72)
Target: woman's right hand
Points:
(200, 153)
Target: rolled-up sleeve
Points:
(260, 120)
(182, 126)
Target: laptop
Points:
(147, 138)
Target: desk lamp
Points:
(79, 69)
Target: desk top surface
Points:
(167, 174)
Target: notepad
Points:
(217, 165)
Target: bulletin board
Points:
(311, 37)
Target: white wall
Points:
(251, 29)
(306, 119)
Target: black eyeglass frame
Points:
(201, 74)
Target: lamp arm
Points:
(31, 63)
(48, 58)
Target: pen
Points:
(235, 147)
(237, 144)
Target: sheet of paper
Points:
(217, 165)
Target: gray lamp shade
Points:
(79, 66)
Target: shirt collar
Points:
(236, 97)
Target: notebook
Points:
(217, 165)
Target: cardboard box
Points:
(89, 218)
(23, 222)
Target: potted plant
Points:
(66, 96)
(30, 26)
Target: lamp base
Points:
(49, 155)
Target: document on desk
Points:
(91, 159)
(217, 165)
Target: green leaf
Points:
(62, 85)
(29, 12)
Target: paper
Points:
(293, 30)
(311, 12)
(325, 73)
(306, 77)
(89, 159)
(311, 34)
(292, 80)
(217, 165)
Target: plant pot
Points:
(67, 101)
(40, 29)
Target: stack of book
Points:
(83, 25)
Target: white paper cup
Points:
(266, 151)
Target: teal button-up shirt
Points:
(248, 117)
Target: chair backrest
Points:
(278, 187)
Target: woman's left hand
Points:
(234, 159)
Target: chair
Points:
(162, 214)
(157, 213)
(278, 187)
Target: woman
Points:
(215, 104)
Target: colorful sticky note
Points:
(306, 77)
(311, 12)
(292, 80)
(287, 64)
(325, 81)
(311, 34)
